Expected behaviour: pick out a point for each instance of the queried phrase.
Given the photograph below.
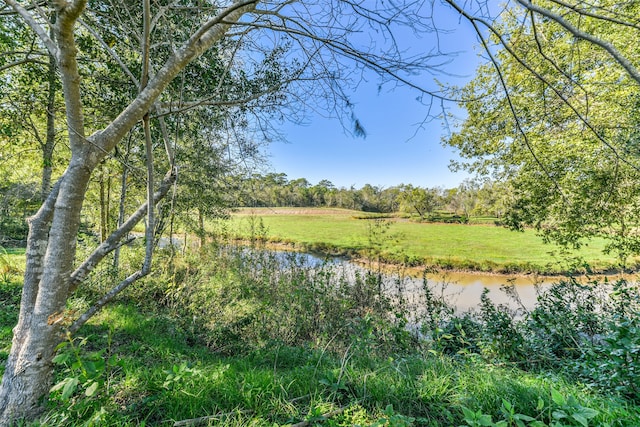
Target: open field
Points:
(453, 246)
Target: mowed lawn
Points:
(479, 247)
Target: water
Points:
(462, 290)
(465, 289)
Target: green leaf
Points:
(92, 389)
(558, 415)
(90, 368)
(61, 358)
(588, 413)
(63, 344)
(69, 388)
(523, 417)
(58, 386)
(581, 419)
(558, 398)
(468, 413)
(485, 420)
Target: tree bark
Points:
(49, 144)
(29, 369)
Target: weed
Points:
(8, 270)
(562, 412)
(85, 379)
(238, 337)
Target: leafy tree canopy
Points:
(557, 116)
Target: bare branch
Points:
(166, 109)
(222, 18)
(111, 52)
(113, 241)
(148, 143)
(105, 299)
(35, 26)
(20, 62)
(379, 64)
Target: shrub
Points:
(589, 331)
(238, 299)
(613, 362)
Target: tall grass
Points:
(239, 337)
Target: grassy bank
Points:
(238, 339)
(448, 246)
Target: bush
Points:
(590, 332)
(613, 362)
(568, 317)
(236, 299)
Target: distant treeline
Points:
(469, 199)
(194, 204)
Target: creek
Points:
(461, 290)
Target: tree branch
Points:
(105, 299)
(112, 242)
(67, 15)
(585, 12)
(20, 62)
(194, 47)
(166, 109)
(148, 143)
(576, 32)
(537, 75)
(35, 26)
(373, 62)
(111, 52)
(505, 88)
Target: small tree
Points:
(140, 61)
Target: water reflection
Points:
(461, 290)
(465, 289)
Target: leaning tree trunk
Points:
(49, 144)
(52, 236)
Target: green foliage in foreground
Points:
(449, 246)
(295, 344)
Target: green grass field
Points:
(455, 246)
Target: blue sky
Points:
(397, 148)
